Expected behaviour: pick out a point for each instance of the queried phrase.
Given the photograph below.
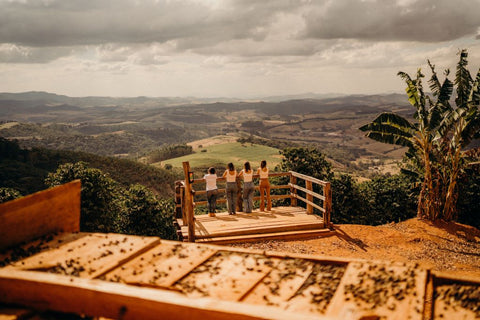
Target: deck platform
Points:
(279, 223)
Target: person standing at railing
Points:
(264, 186)
(248, 187)
(231, 188)
(212, 191)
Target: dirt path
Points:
(440, 246)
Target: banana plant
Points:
(437, 137)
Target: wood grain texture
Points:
(45, 212)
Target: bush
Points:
(7, 194)
(101, 197)
(146, 215)
(381, 200)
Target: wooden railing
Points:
(187, 197)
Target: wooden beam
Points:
(310, 203)
(307, 178)
(309, 192)
(327, 204)
(309, 196)
(45, 212)
(189, 203)
(119, 301)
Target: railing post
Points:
(327, 204)
(189, 203)
(309, 196)
(293, 191)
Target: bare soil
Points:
(441, 246)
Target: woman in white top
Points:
(231, 175)
(212, 191)
(248, 187)
(264, 186)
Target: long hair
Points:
(247, 167)
(230, 166)
(263, 164)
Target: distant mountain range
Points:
(41, 97)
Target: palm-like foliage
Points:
(437, 140)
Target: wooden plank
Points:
(189, 203)
(318, 290)
(45, 212)
(119, 301)
(310, 192)
(288, 235)
(36, 246)
(310, 203)
(455, 296)
(90, 256)
(281, 284)
(162, 265)
(307, 178)
(226, 275)
(381, 290)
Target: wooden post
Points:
(309, 196)
(293, 191)
(327, 204)
(189, 203)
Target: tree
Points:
(101, 197)
(436, 142)
(146, 215)
(308, 161)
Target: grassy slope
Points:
(220, 154)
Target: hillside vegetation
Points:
(26, 170)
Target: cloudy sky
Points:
(229, 48)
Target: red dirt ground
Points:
(437, 245)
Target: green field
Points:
(220, 154)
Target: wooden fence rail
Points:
(187, 197)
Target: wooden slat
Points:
(120, 301)
(51, 211)
(90, 256)
(226, 275)
(310, 203)
(318, 290)
(312, 193)
(281, 284)
(383, 290)
(454, 296)
(288, 235)
(307, 178)
(163, 265)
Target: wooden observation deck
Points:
(286, 220)
(47, 264)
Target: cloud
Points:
(12, 53)
(393, 20)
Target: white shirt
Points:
(231, 177)
(211, 180)
(263, 174)
(247, 177)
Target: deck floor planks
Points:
(89, 256)
(280, 219)
(226, 276)
(162, 265)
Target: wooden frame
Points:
(45, 212)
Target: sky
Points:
(229, 48)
